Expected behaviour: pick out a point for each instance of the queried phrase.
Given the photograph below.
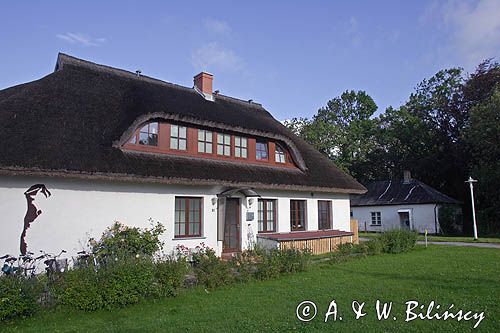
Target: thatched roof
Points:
(400, 192)
(72, 122)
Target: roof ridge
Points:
(66, 59)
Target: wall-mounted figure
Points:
(32, 212)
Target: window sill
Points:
(188, 237)
(375, 225)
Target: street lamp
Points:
(471, 186)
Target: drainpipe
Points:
(435, 219)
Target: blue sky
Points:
(291, 56)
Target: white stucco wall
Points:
(421, 217)
(81, 209)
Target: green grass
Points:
(467, 277)
(432, 238)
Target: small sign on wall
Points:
(250, 216)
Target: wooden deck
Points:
(320, 241)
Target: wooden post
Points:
(354, 229)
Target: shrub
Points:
(268, 264)
(244, 266)
(293, 260)
(374, 246)
(80, 289)
(170, 274)
(123, 241)
(398, 240)
(210, 270)
(18, 296)
(126, 281)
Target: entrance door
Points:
(232, 226)
(404, 220)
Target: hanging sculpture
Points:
(32, 211)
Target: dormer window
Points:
(280, 155)
(147, 135)
(223, 144)
(240, 147)
(178, 137)
(261, 150)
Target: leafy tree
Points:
(343, 130)
(483, 137)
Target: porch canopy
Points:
(247, 192)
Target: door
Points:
(404, 220)
(232, 226)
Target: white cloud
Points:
(81, 39)
(214, 56)
(473, 28)
(216, 26)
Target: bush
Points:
(80, 289)
(210, 270)
(243, 266)
(170, 275)
(18, 296)
(398, 240)
(123, 241)
(293, 260)
(374, 246)
(268, 264)
(116, 284)
(127, 281)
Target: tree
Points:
(343, 130)
(482, 137)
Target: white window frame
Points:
(205, 141)
(376, 218)
(223, 144)
(178, 137)
(240, 147)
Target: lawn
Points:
(432, 238)
(467, 277)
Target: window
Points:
(240, 147)
(267, 215)
(187, 217)
(376, 218)
(147, 136)
(324, 214)
(178, 137)
(261, 151)
(223, 144)
(280, 155)
(297, 215)
(204, 141)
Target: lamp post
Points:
(471, 186)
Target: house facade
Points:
(89, 144)
(393, 204)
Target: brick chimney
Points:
(203, 84)
(406, 177)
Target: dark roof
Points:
(398, 192)
(71, 123)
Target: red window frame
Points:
(187, 214)
(324, 214)
(261, 147)
(298, 216)
(264, 221)
(146, 129)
